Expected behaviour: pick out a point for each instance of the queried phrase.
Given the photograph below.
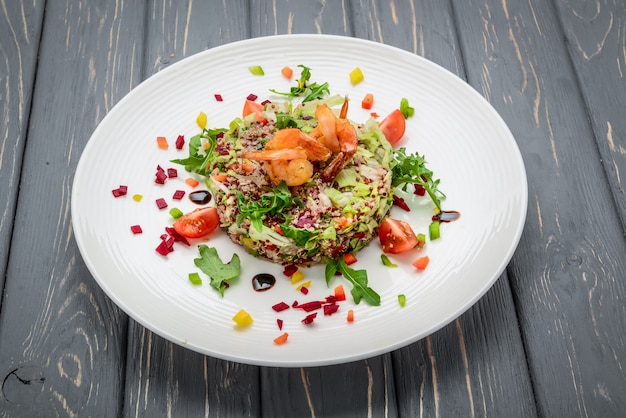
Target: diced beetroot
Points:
(264, 102)
(295, 304)
(180, 141)
(163, 237)
(177, 237)
(252, 97)
(419, 190)
(331, 299)
(123, 189)
(330, 308)
(164, 248)
(117, 192)
(219, 135)
(172, 172)
(218, 97)
(309, 318)
(280, 307)
(160, 176)
(290, 270)
(178, 194)
(136, 229)
(310, 306)
(398, 201)
(161, 203)
(280, 324)
(304, 290)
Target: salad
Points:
(296, 182)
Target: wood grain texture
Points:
(20, 26)
(596, 36)
(278, 17)
(165, 379)
(62, 342)
(568, 271)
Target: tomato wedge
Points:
(393, 126)
(250, 107)
(199, 223)
(396, 236)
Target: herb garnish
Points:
(406, 110)
(310, 91)
(271, 203)
(358, 278)
(219, 272)
(411, 169)
(202, 152)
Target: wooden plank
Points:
(321, 391)
(454, 372)
(20, 30)
(357, 389)
(167, 379)
(596, 38)
(567, 273)
(62, 342)
(286, 17)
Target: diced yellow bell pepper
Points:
(243, 319)
(356, 76)
(306, 284)
(297, 276)
(201, 120)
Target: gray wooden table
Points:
(549, 339)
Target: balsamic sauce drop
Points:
(200, 197)
(263, 281)
(447, 216)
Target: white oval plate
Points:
(465, 142)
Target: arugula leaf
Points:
(202, 152)
(411, 169)
(219, 272)
(310, 91)
(358, 278)
(271, 203)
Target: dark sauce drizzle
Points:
(200, 197)
(447, 216)
(263, 281)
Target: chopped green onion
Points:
(402, 300)
(176, 213)
(433, 230)
(256, 70)
(421, 240)
(386, 261)
(194, 278)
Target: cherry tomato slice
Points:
(396, 236)
(250, 107)
(393, 126)
(199, 223)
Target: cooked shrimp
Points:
(293, 138)
(293, 172)
(326, 131)
(348, 141)
(288, 156)
(291, 144)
